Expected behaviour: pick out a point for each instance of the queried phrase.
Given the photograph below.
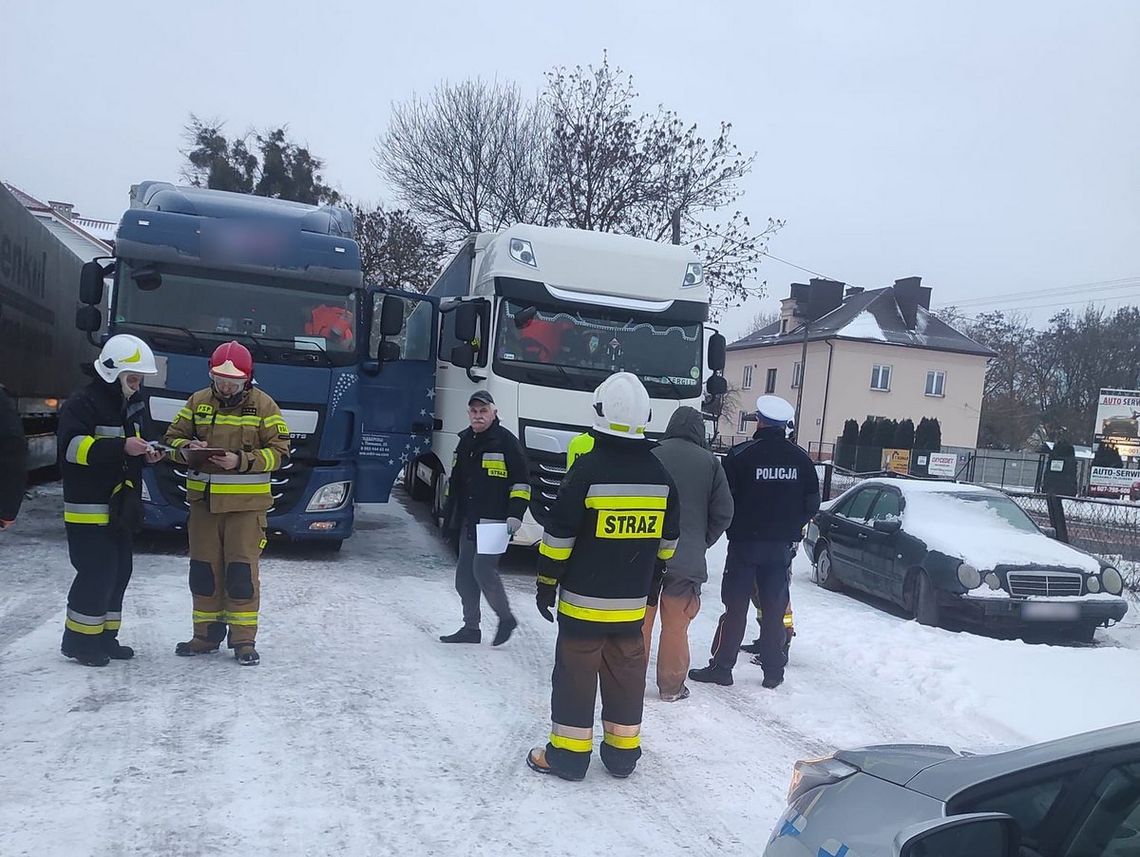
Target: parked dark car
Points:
(1074, 797)
(942, 549)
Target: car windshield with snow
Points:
(944, 550)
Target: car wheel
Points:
(823, 572)
(926, 609)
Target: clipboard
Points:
(198, 457)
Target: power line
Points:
(1017, 297)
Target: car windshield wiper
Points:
(154, 326)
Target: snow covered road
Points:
(360, 733)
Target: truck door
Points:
(393, 402)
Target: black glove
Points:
(658, 582)
(545, 598)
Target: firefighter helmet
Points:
(621, 406)
(232, 361)
(125, 353)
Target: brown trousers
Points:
(224, 582)
(678, 605)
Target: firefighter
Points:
(776, 491)
(614, 525)
(101, 443)
(229, 497)
(13, 461)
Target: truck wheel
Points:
(926, 608)
(416, 489)
(438, 486)
(823, 572)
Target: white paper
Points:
(491, 538)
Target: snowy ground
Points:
(361, 734)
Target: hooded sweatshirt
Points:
(706, 502)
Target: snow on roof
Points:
(863, 326)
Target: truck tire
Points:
(926, 608)
(438, 484)
(416, 489)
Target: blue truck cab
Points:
(351, 365)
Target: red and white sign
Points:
(943, 464)
(1118, 415)
(1112, 481)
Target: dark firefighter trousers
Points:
(762, 566)
(617, 663)
(103, 560)
(224, 552)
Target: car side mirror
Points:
(91, 285)
(887, 526)
(391, 316)
(88, 319)
(993, 834)
(718, 347)
(466, 319)
(716, 385)
(463, 355)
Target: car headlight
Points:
(521, 251)
(993, 581)
(1111, 580)
(1093, 583)
(969, 576)
(328, 497)
(807, 774)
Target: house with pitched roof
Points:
(86, 237)
(841, 353)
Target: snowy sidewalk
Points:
(360, 733)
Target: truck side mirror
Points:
(717, 351)
(88, 319)
(716, 385)
(91, 284)
(391, 316)
(463, 355)
(466, 320)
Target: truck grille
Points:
(546, 472)
(287, 484)
(1025, 583)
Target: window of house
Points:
(783, 325)
(746, 381)
(881, 377)
(742, 422)
(797, 375)
(770, 384)
(936, 383)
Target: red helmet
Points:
(232, 360)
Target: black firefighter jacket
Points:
(13, 459)
(489, 479)
(617, 515)
(102, 485)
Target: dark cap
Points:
(481, 396)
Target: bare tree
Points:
(395, 251)
(763, 318)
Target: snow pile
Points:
(863, 326)
(975, 532)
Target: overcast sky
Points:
(989, 147)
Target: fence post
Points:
(827, 471)
(1057, 517)
(1004, 462)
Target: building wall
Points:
(849, 393)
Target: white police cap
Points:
(773, 409)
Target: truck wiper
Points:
(292, 351)
(261, 348)
(189, 335)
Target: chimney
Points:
(825, 296)
(66, 210)
(793, 309)
(852, 291)
(910, 294)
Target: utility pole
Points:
(803, 370)
(675, 220)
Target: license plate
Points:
(1036, 611)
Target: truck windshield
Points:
(557, 347)
(288, 320)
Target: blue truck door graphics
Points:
(393, 401)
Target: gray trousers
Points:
(478, 573)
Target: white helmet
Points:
(125, 353)
(774, 410)
(621, 406)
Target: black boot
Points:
(752, 648)
(114, 649)
(196, 646)
(503, 633)
(463, 635)
(88, 656)
(712, 674)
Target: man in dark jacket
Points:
(611, 530)
(489, 483)
(102, 451)
(13, 461)
(706, 511)
(776, 491)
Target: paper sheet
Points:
(491, 538)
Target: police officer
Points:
(776, 491)
(614, 525)
(101, 444)
(229, 495)
(489, 483)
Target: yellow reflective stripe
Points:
(520, 493)
(179, 441)
(263, 543)
(547, 581)
(125, 484)
(112, 624)
(246, 619)
(208, 615)
(574, 745)
(195, 485)
(622, 742)
(615, 502)
(183, 414)
(86, 517)
(273, 420)
(788, 620)
(84, 447)
(666, 553)
(592, 614)
(270, 458)
(229, 420)
(80, 628)
(240, 488)
(554, 553)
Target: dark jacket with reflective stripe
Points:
(489, 478)
(93, 426)
(774, 487)
(13, 459)
(616, 515)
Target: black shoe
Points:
(464, 635)
(621, 774)
(188, 650)
(86, 658)
(752, 648)
(712, 674)
(116, 651)
(772, 681)
(247, 656)
(503, 633)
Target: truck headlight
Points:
(521, 251)
(1112, 581)
(694, 275)
(328, 497)
(969, 576)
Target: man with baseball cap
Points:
(489, 483)
(775, 491)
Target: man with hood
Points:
(706, 512)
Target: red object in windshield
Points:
(542, 339)
(331, 322)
